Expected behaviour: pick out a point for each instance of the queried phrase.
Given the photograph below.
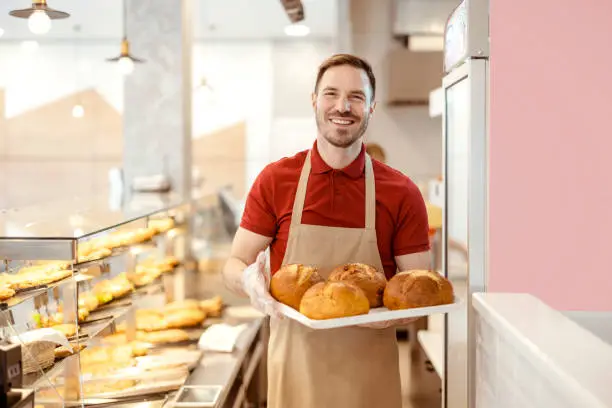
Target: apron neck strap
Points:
(300, 195)
(370, 194)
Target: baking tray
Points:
(140, 390)
(162, 357)
(378, 315)
(121, 250)
(138, 373)
(194, 337)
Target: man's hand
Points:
(245, 248)
(256, 283)
(390, 323)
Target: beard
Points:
(340, 137)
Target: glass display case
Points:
(93, 292)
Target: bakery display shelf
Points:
(86, 332)
(149, 401)
(127, 300)
(154, 375)
(56, 230)
(24, 295)
(140, 247)
(136, 373)
(41, 378)
(83, 217)
(92, 328)
(194, 336)
(121, 302)
(104, 314)
(154, 287)
(151, 390)
(38, 379)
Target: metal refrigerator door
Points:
(464, 232)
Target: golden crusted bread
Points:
(88, 301)
(213, 306)
(290, 282)
(176, 319)
(330, 300)
(182, 305)
(417, 288)
(6, 292)
(156, 337)
(68, 329)
(371, 281)
(163, 336)
(62, 351)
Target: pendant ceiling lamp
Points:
(125, 60)
(78, 111)
(39, 16)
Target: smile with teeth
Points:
(342, 121)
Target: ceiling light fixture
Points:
(78, 111)
(125, 61)
(294, 10)
(297, 30)
(39, 16)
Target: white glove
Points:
(255, 282)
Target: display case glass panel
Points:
(456, 231)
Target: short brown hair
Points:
(346, 59)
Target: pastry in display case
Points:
(70, 296)
(104, 309)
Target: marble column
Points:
(157, 95)
(344, 28)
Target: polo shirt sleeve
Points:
(259, 215)
(412, 228)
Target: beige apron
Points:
(351, 367)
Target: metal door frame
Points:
(476, 72)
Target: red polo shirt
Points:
(336, 198)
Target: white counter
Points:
(599, 323)
(529, 355)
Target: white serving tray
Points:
(381, 314)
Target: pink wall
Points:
(551, 151)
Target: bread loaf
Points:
(290, 282)
(182, 305)
(67, 329)
(330, 300)
(417, 288)
(176, 319)
(371, 281)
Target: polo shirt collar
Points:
(353, 170)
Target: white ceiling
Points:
(223, 19)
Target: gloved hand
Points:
(256, 284)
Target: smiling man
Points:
(328, 206)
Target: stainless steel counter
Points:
(240, 373)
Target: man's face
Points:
(343, 105)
